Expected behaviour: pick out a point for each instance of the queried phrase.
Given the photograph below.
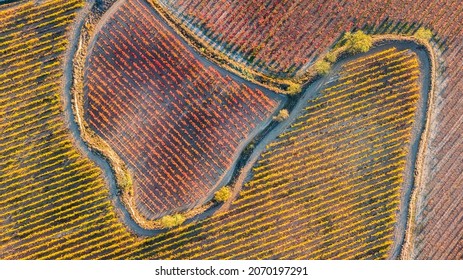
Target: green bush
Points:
(358, 42)
(423, 34)
(169, 221)
(331, 57)
(322, 67)
(223, 194)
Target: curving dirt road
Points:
(417, 131)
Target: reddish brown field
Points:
(177, 123)
(273, 36)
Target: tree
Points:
(331, 57)
(358, 42)
(423, 34)
(223, 194)
(248, 75)
(282, 115)
(169, 221)
(294, 88)
(126, 182)
(322, 67)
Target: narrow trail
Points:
(267, 131)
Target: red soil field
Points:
(177, 123)
(273, 36)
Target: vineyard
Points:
(372, 103)
(328, 177)
(282, 39)
(342, 161)
(338, 204)
(266, 35)
(177, 123)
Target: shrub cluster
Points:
(358, 42)
(170, 221)
(282, 115)
(223, 194)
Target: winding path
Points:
(264, 133)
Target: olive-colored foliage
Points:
(423, 34)
(172, 221)
(294, 88)
(322, 67)
(282, 115)
(358, 42)
(223, 194)
(331, 57)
